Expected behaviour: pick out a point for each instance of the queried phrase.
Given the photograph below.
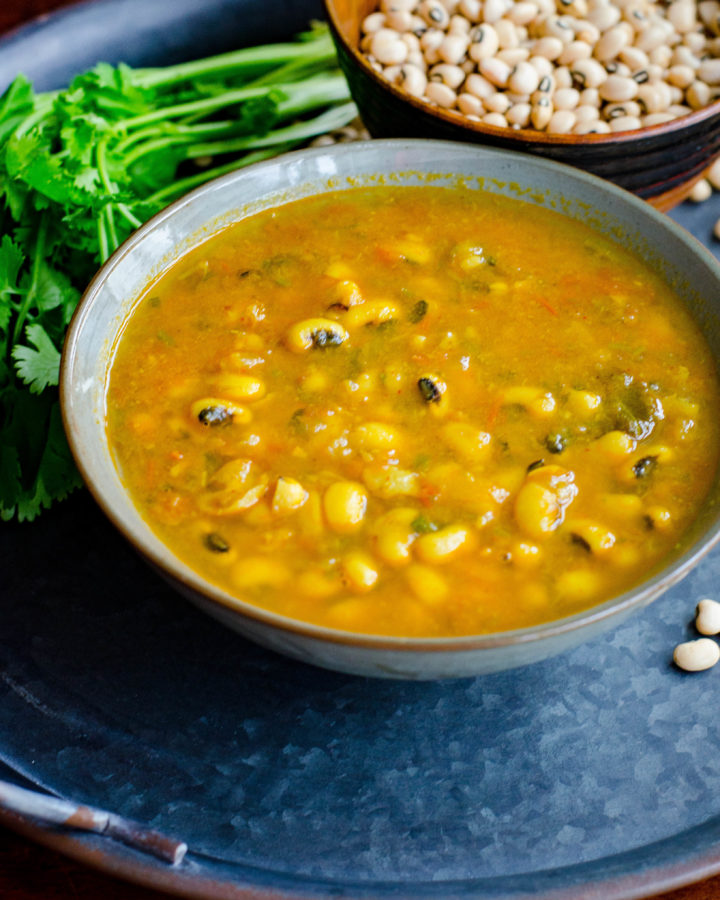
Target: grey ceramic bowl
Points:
(111, 296)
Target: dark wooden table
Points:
(31, 872)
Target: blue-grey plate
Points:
(594, 774)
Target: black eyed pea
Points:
(681, 76)
(441, 546)
(625, 123)
(701, 191)
(413, 80)
(459, 25)
(453, 48)
(359, 572)
(562, 121)
(707, 617)
(519, 115)
(698, 94)
(523, 79)
(548, 47)
(563, 78)
(507, 34)
(494, 10)
(452, 76)
(344, 505)
(387, 47)
(587, 73)
(484, 43)
(566, 98)
(289, 496)
(315, 333)
(374, 22)
(541, 65)
(618, 88)
(514, 56)
(604, 16)
(597, 127)
(399, 19)
(658, 118)
(713, 174)
(479, 86)
(496, 71)
(585, 114)
(541, 114)
(611, 43)
(522, 12)
(497, 103)
(470, 105)
(471, 9)
(214, 411)
(575, 51)
(497, 120)
(434, 13)
(388, 5)
(682, 15)
(695, 656)
(709, 71)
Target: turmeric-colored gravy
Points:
(415, 411)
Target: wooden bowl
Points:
(659, 163)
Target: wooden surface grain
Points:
(32, 872)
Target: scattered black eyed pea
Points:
(707, 617)
(315, 333)
(695, 656)
(345, 504)
(289, 496)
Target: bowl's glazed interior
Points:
(690, 269)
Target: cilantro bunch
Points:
(81, 168)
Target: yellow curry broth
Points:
(414, 411)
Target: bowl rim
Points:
(458, 120)
(178, 571)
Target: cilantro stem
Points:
(177, 188)
(237, 61)
(38, 256)
(330, 120)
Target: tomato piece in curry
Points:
(415, 411)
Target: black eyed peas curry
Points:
(415, 411)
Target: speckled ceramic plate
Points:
(593, 775)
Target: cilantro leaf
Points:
(37, 366)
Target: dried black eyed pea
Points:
(643, 467)
(215, 415)
(216, 542)
(430, 389)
